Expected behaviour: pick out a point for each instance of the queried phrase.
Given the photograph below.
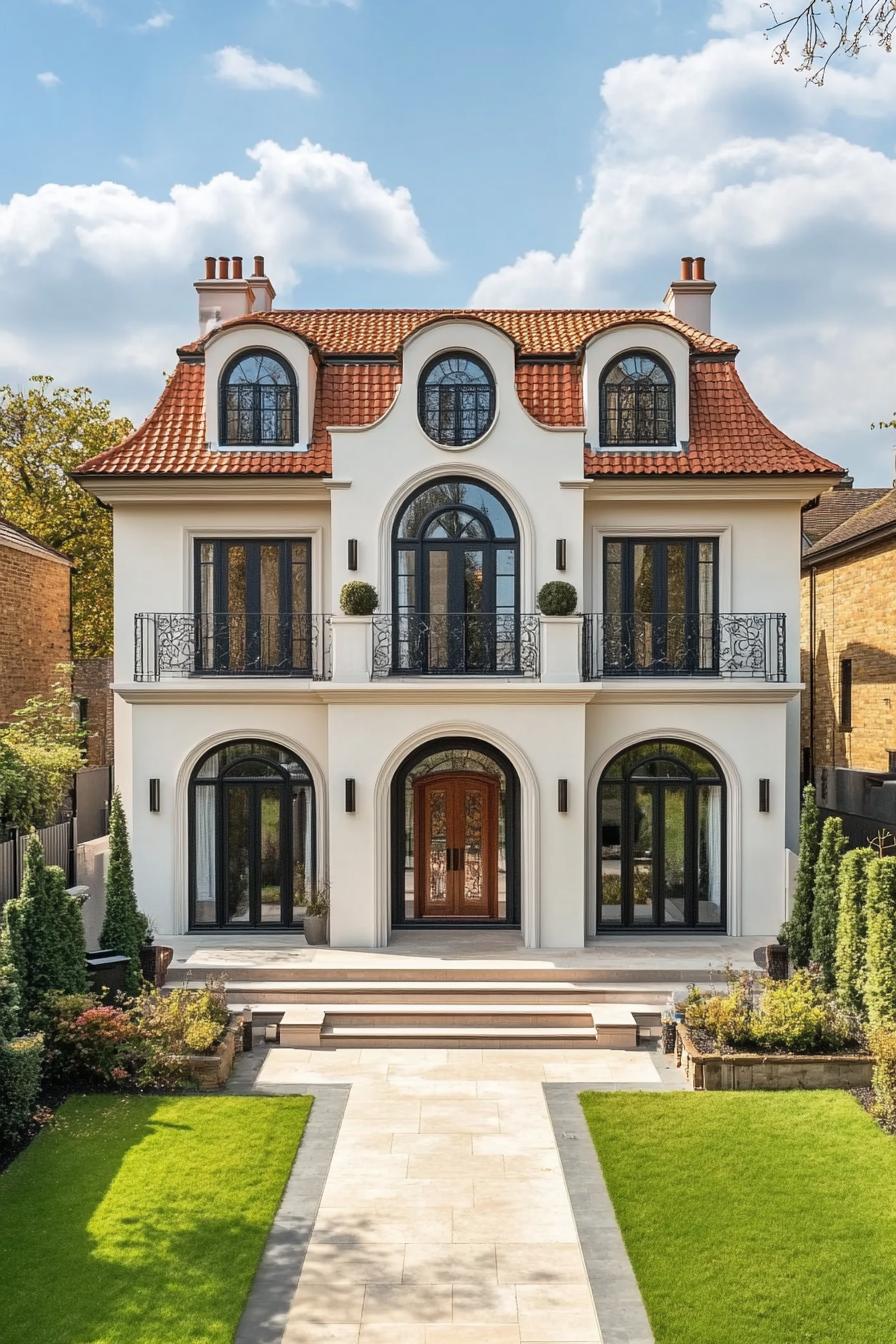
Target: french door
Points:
(456, 820)
(470, 612)
(253, 605)
(255, 848)
(660, 603)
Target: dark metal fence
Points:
(664, 644)
(230, 644)
(93, 792)
(863, 830)
(459, 644)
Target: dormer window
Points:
(456, 399)
(637, 402)
(259, 401)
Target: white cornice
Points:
(797, 489)
(207, 489)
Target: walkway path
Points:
(445, 1217)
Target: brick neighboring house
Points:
(35, 617)
(848, 651)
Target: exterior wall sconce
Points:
(561, 553)
(155, 796)
(764, 795)
(349, 795)
(562, 795)
(353, 553)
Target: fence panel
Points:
(859, 830)
(7, 870)
(58, 844)
(93, 790)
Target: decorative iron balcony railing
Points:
(660, 644)
(230, 644)
(455, 644)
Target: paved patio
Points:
(445, 1216)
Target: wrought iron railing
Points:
(660, 644)
(230, 644)
(456, 644)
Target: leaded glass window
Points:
(258, 401)
(637, 402)
(456, 399)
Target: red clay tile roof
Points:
(729, 437)
(729, 434)
(536, 331)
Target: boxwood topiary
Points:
(557, 598)
(827, 897)
(849, 959)
(358, 598)
(20, 1072)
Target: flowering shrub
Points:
(89, 1044)
(184, 1022)
(795, 1016)
(725, 1017)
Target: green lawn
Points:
(141, 1220)
(753, 1218)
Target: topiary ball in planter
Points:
(557, 598)
(358, 598)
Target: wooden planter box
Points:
(211, 1071)
(769, 1073)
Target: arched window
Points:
(259, 401)
(252, 828)
(455, 577)
(637, 402)
(456, 399)
(661, 839)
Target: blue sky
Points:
(393, 152)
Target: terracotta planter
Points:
(211, 1071)
(316, 930)
(769, 1073)
(154, 963)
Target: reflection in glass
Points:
(642, 855)
(674, 802)
(611, 854)
(236, 810)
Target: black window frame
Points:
(256, 441)
(456, 439)
(619, 624)
(221, 628)
(846, 695)
(653, 441)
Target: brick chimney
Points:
(690, 296)
(225, 294)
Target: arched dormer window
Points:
(456, 399)
(637, 402)
(259, 401)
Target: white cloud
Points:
(235, 66)
(155, 22)
(84, 6)
(740, 16)
(97, 279)
(723, 154)
(48, 79)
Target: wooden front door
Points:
(456, 870)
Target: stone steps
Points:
(259, 993)
(659, 976)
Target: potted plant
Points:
(358, 598)
(317, 915)
(557, 598)
(154, 959)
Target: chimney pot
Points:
(687, 268)
(259, 265)
(699, 268)
(209, 268)
(223, 268)
(237, 268)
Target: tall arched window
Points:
(252, 827)
(637, 402)
(661, 839)
(456, 399)
(259, 401)
(455, 577)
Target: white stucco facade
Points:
(348, 725)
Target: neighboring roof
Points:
(536, 331)
(871, 524)
(729, 434)
(834, 507)
(10, 535)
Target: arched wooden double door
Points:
(456, 820)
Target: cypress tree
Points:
(798, 929)
(124, 927)
(43, 933)
(825, 904)
(849, 958)
(880, 980)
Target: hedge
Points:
(827, 898)
(852, 930)
(880, 982)
(20, 1072)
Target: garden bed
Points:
(739, 1071)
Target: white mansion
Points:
(458, 758)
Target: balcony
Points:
(455, 644)
(230, 644)
(659, 644)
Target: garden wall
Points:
(769, 1073)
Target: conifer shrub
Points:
(826, 901)
(852, 932)
(43, 934)
(880, 956)
(797, 933)
(20, 1077)
(124, 927)
(883, 1076)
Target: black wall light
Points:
(561, 552)
(155, 796)
(353, 553)
(764, 794)
(349, 795)
(562, 795)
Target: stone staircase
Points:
(394, 1007)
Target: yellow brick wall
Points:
(855, 617)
